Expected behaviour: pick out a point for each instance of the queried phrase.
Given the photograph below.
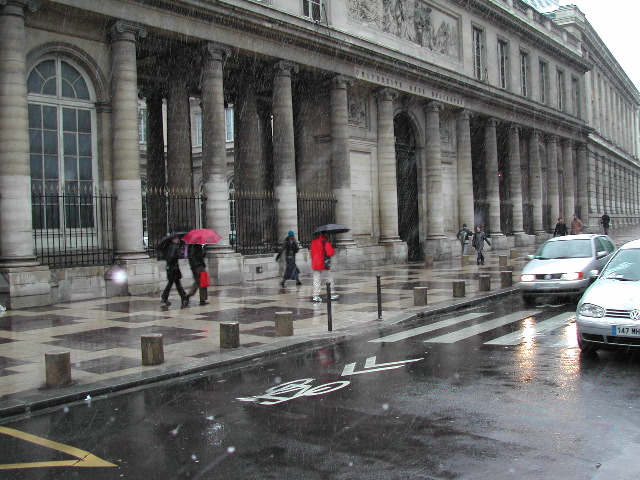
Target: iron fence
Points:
(314, 210)
(254, 226)
(73, 230)
(164, 214)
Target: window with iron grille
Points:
(478, 53)
(575, 96)
(312, 9)
(524, 74)
(229, 125)
(560, 86)
(544, 82)
(503, 63)
(142, 126)
(198, 130)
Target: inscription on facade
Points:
(412, 20)
(406, 86)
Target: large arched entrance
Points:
(407, 180)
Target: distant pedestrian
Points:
(479, 237)
(321, 253)
(464, 234)
(196, 255)
(289, 248)
(576, 225)
(605, 220)
(561, 229)
(171, 255)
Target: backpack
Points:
(463, 235)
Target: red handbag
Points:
(205, 281)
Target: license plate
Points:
(626, 331)
(547, 286)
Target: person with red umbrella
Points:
(196, 255)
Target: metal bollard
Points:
(485, 283)
(506, 278)
(229, 334)
(419, 296)
(459, 287)
(284, 324)
(57, 368)
(379, 292)
(329, 318)
(152, 349)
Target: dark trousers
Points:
(480, 256)
(167, 289)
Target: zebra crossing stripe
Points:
(427, 328)
(538, 328)
(481, 327)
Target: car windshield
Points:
(625, 265)
(565, 249)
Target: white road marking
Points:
(427, 328)
(527, 333)
(482, 327)
(370, 366)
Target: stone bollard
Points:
(506, 279)
(459, 288)
(229, 334)
(503, 260)
(464, 260)
(513, 253)
(428, 260)
(419, 296)
(485, 283)
(284, 324)
(152, 349)
(57, 368)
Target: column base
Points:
(499, 241)
(438, 246)
(523, 239)
(25, 287)
(226, 267)
(542, 236)
(130, 276)
(348, 256)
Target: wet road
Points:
(496, 391)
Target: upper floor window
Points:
(544, 82)
(228, 121)
(478, 53)
(560, 86)
(198, 130)
(312, 9)
(575, 96)
(142, 126)
(503, 63)
(524, 74)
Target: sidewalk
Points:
(103, 335)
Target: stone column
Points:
(615, 186)
(606, 185)
(250, 171)
(583, 184)
(535, 185)
(491, 178)
(515, 184)
(340, 157)
(126, 150)
(465, 172)
(156, 168)
(567, 180)
(592, 191)
(435, 243)
(15, 174)
(284, 153)
(387, 184)
(553, 182)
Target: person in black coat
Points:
(196, 255)
(605, 220)
(561, 229)
(477, 242)
(171, 255)
(289, 248)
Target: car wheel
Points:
(587, 348)
(529, 299)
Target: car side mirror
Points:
(593, 274)
(530, 257)
(602, 254)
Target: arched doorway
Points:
(407, 181)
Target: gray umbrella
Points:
(332, 228)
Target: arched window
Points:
(61, 144)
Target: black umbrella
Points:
(163, 241)
(332, 228)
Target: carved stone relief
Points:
(412, 20)
(358, 116)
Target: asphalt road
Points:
(497, 391)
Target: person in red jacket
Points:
(321, 250)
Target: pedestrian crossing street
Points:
(535, 325)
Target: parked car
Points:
(565, 266)
(608, 314)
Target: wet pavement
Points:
(103, 335)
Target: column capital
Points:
(514, 127)
(551, 138)
(216, 51)
(282, 65)
(432, 106)
(387, 93)
(32, 5)
(581, 146)
(464, 114)
(567, 143)
(491, 122)
(121, 27)
(342, 81)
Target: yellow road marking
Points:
(84, 459)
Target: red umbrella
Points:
(202, 236)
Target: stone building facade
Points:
(415, 116)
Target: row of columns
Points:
(617, 188)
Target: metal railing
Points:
(165, 214)
(255, 226)
(73, 230)
(314, 210)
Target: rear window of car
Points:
(565, 249)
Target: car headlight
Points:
(591, 310)
(572, 276)
(527, 277)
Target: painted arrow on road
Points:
(370, 366)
